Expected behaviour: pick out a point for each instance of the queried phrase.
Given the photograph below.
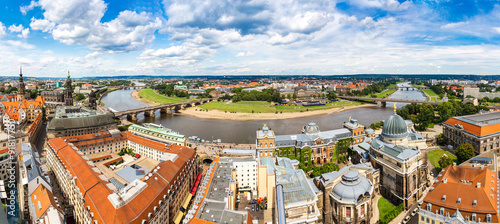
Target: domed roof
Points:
(395, 127)
(311, 129)
(352, 187)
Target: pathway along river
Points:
(244, 131)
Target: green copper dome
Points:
(395, 127)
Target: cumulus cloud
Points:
(78, 22)
(26, 8)
(2, 30)
(42, 24)
(20, 44)
(16, 29)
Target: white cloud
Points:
(24, 34)
(20, 44)
(496, 29)
(2, 30)
(42, 24)
(245, 54)
(78, 22)
(16, 29)
(25, 8)
(454, 25)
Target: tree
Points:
(446, 110)
(440, 139)
(445, 161)
(426, 116)
(294, 96)
(464, 152)
(79, 96)
(331, 96)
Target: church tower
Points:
(92, 100)
(20, 88)
(68, 92)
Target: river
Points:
(244, 131)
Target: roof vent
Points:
(474, 203)
(478, 184)
(444, 197)
(445, 180)
(459, 200)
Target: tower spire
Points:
(21, 69)
(68, 74)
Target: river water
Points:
(244, 131)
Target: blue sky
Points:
(225, 37)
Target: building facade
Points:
(337, 195)
(482, 131)
(68, 92)
(314, 146)
(159, 133)
(403, 169)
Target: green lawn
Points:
(150, 95)
(432, 94)
(386, 93)
(384, 207)
(266, 107)
(435, 155)
(415, 85)
(392, 86)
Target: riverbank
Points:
(221, 115)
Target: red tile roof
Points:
(462, 182)
(96, 192)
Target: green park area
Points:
(266, 107)
(386, 93)
(387, 211)
(150, 96)
(433, 96)
(435, 155)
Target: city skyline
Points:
(107, 38)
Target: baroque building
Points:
(311, 147)
(72, 120)
(403, 168)
(481, 130)
(347, 194)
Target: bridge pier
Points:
(149, 113)
(166, 110)
(383, 104)
(132, 117)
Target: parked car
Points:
(406, 220)
(415, 211)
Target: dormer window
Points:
(474, 217)
(488, 217)
(429, 206)
(444, 197)
(441, 211)
(459, 200)
(474, 203)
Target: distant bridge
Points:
(130, 87)
(383, 101)
(164, 109)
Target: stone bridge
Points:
(130, 87)
(164, 109)
(383, 101)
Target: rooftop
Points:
(478, 124)
(471, 190)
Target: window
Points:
(362, 210)
(348, 212)
(422, 218)
(473, 217)
(427, 220)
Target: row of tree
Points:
(424, 114)
(374, 88)
(269, 95)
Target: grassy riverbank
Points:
(266, 107)
(149, 96)
(433, 96)
(386, 93)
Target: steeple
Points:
(68, 75)
(20, 87)
(68, 92)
